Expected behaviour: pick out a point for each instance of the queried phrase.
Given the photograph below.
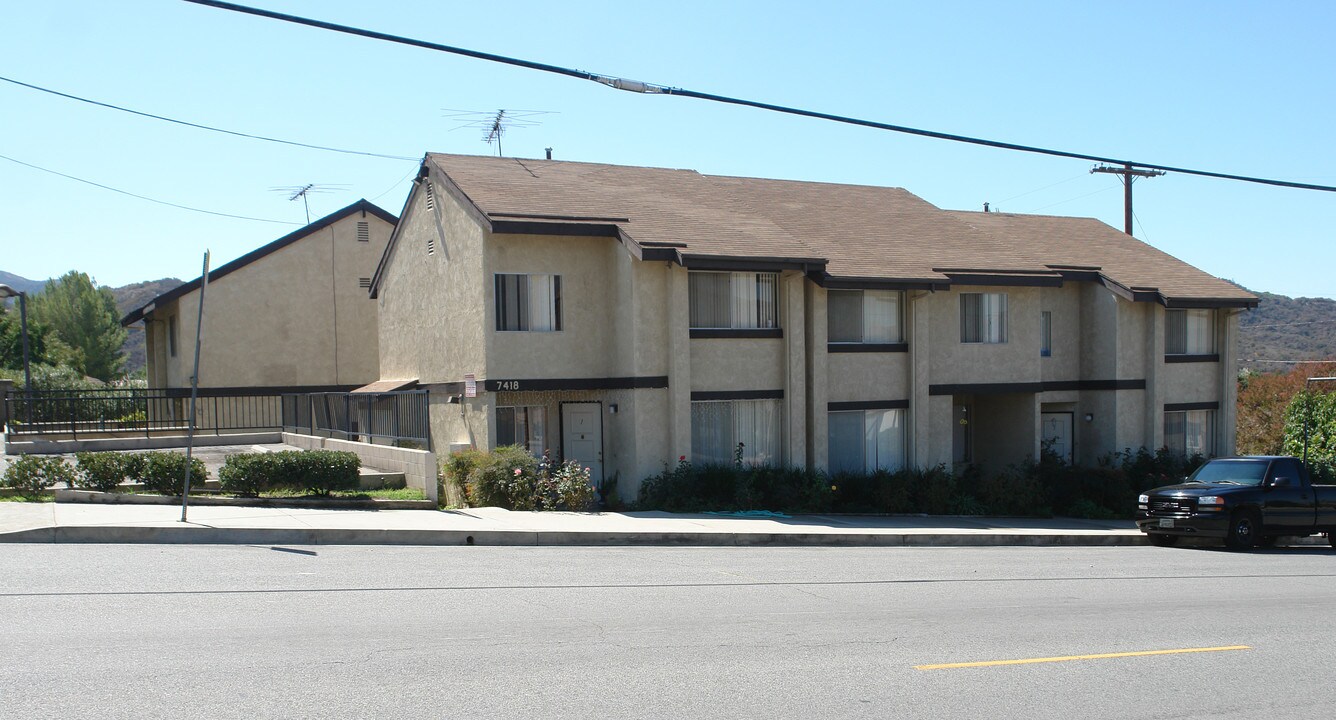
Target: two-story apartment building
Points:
(292, 314)
(629, 316)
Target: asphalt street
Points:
(113, 631)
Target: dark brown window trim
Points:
(715, 333)
(550, 384)
(868, 405)
(867, 347)
(737, 395)
(1179, 407)
(245, 390)
(1034, 387)
(1173, 359)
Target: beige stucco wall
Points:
(432, 314)
(1016, 360)
(297, 316)
(1064, 304)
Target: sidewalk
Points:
(89, 523)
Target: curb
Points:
(102, 498)
(328, 536)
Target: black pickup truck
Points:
(1246, 501)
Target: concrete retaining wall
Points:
(418, 466)
(164, 442)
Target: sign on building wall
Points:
(470, 385)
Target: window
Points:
(862, 441)
(1045, 334)
(983, 317)
(171, 335)
(734, 300)
(524, 426)
(528, 302)
(1190, 432)
(863, 316)
(1189, 332)
(717, 426)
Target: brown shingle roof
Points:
(859, 231)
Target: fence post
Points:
(6, 386)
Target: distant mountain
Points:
(21, 284)
(1285, 328)
(130, 297)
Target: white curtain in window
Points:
(744, 300)
(537, 435)
(718, 426)
(881, 316)
(845, 449)
(711, 433)
(994, 317)
(884, 439)
(1174, 427)
(767, 300)
(1200, 332)
(542, 309)
(761, 435)
(1197, 432)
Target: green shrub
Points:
(507, 478)
(247, 475)
(101, 471)
(325, 471)
(35, 474)
(455, 470)
(165, 472)
(1018, 490)
(564, 486)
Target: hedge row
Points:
(317, 472)
(160, 472)
(509, 477)
(1041, 489)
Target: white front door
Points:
(1057, 429)
(582, 436)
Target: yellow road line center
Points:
(1068, 658)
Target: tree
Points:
(44, 348)
(83, 316)
(1317, 410)
(1262, 402)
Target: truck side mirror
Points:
(1280, 482)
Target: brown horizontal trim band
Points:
(757, 264)
(1172, 359)
(565, 218)
(563, 229)
(845, 283)
(708, 333)
(1177, 407)
(1006, 280)
(1208, 303)
(247, 390)
(548, 384)
(699, 395)
(868, 405)
(1058, 385)
(1034, 387)
(867, 347)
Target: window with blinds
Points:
(734, 300)
(864, 316)
(524, 426)
(863, 441)
(983, 317)
(1190, 432)
(1189, 332)
(528, 303)
(718, 427)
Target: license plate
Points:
(1166, 522)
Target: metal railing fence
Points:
(399, 418)
(131, 411)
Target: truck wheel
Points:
(1244, 526)
(1162, 540)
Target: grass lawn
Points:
(44, 497)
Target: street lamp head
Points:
(8, 292)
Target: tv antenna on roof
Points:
(304, 191)
(495, 123)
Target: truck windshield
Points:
(1239, 472)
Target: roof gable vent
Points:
(363, 231)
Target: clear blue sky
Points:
(1244, 88)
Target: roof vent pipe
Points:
(985, 207)
(549, 153)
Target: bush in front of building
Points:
(103, 471)
(316, 472)
(33, 475)
(510, 477)
(165, 472)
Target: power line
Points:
(206, 127)
(143, 197)
(638, 86)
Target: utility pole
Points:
(1128, 174)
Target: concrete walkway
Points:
(87, 523)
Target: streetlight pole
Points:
(5, 292)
